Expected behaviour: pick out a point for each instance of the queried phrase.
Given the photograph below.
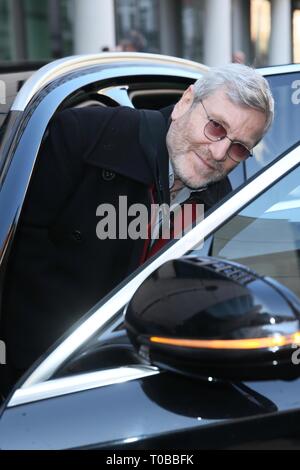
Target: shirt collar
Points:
(185, 193)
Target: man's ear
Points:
(184, 103)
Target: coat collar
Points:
(131, 144)
(152, 137)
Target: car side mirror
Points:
(215, 319)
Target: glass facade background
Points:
(144, 17)
(296, 31)
(37, 34)
(192, 25)
(35, 30)
(260, 31)
(43, 29)
(67, 22)
(141, 16)
(5, 37)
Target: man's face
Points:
(197, 161)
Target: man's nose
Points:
(219, 149)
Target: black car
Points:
(199, 347)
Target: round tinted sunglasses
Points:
(214, 131)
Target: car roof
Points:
(24, 80)
(62, 67)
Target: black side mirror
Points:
(211, 318)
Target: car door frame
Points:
(35, 384)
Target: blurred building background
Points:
(209, 31)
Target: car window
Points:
(266, 234)
(285, 128)
(284, 87)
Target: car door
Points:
(75, 82)
(93, 391)
(94, 367)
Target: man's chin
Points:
(193, 183)
(195, 187)
(200, 185)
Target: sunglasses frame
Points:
(211, 120)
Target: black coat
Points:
(59, 268)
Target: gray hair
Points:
(243, 86)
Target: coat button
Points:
(108, 175)
(77, 236)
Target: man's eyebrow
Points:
(221, 121)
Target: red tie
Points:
(144, 255)
(180, 223)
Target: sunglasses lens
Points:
(214, 130)
(238, 152)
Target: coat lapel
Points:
(152, 138)
(117, 147)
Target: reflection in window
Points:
(266, 234)
(285, 130)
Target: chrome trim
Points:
(78, 383)
(117, 93)
(61, 67)
(279, 69)
(155, 91)
(107, 311)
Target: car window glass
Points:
(266, 234)
(285, 128)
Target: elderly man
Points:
(60, 266)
